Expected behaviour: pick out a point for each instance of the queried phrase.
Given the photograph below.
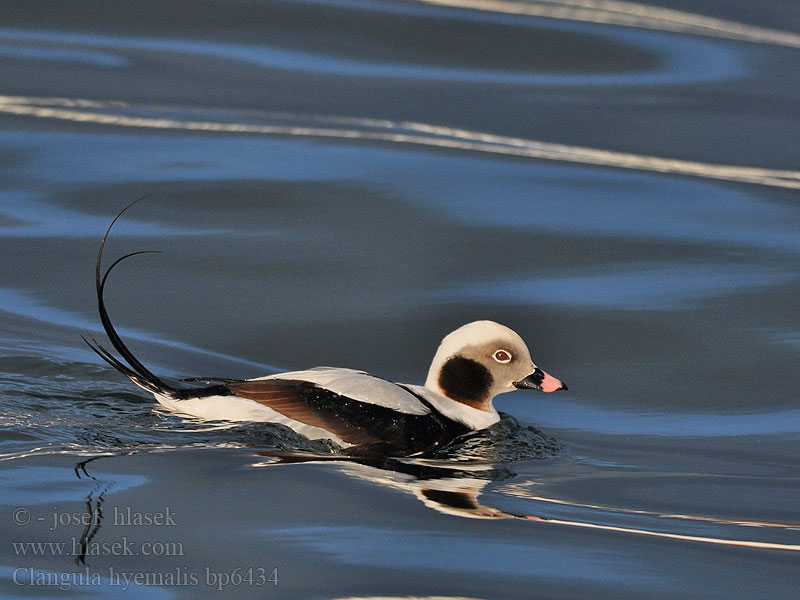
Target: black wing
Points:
(359, 423)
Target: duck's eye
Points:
(502, 356)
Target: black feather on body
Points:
(371, 428)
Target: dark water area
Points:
(344, 182)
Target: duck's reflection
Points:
(94, 508)
(448, 488)
(455, 489)
(449, 479)
(95, 499)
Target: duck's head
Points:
(482, 359)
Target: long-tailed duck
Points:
(472, 365)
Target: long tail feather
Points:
(119, 366)
(134, 370)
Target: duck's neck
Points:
(474, 418)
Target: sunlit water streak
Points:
(398, 132)
(630, 14)
(671, 536)
(523, 490)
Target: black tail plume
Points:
(134, 369)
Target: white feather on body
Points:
(235, 409)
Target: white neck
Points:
(458, 411)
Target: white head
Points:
(482, 359)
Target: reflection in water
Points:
(455, 490)
(447, 488)
(397, 132)
(630, 14)
(94, 509)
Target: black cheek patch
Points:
(465, 380)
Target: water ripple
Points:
(588, 415)
(22, 303)
(650, 287)
(680, 60)
(398, 132)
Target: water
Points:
(342, 183)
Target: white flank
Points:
(233, 408)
